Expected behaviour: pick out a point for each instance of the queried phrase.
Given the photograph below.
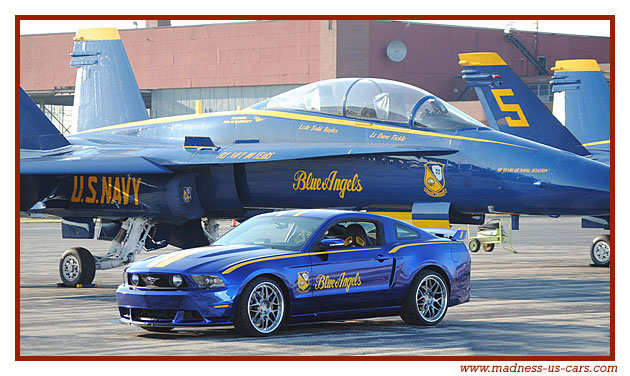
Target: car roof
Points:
(319, 213)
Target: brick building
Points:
(241, 63)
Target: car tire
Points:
(157, 329)
(474, 245)
(600, 250)
(488, 247)
(426, 302)
(76, 267)
(260, 309)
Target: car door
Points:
(352, 276)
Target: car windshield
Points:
(290, 233)
(372, 99)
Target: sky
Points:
(581, 27)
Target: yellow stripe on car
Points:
(396, 249)
(234, 267)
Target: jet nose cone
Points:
(586, 184)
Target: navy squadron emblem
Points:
(187, 195)
(303, 284)
(434, 183)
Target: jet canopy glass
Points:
(373, 99)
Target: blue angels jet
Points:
(582, 98)
(351, 143)
(581, 102)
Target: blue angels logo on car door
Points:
(434, 183)
(303, 284)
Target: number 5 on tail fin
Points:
(510, 106)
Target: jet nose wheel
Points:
(77, 266)
(600, 250)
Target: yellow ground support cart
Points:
(496, 231)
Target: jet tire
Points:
(77, 266)
(600, 250)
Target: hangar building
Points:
(231, 65)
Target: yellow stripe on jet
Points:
(597, 143)
(104, 33)
(292, 116)
(480, 59)
(576, 65)
(434, 223)
(407, 217)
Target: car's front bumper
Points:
(153, 307)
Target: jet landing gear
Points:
(78, 265)
(600, 250)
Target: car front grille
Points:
(155, 281)
(160, 315)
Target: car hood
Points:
(211, 259)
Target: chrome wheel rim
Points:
(265, 307)
(431, 298)
(601, 251)
(71, 268)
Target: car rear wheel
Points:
(260, 308)
(427, 299)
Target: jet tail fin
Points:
(582, 100)
(511, 106)
(36, 131)
(106, 90)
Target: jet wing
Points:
(70, 164)
(159, 160)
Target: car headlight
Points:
(208, 281)
(177, 280)
(135, 279)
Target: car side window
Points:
(355, 233)
(405, 232)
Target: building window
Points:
(542, 60)
(542, 91)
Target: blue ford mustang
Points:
(300, 266)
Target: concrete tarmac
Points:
(547, 300)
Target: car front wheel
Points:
(260, 309)
(427, 299)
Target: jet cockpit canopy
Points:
(372, 99)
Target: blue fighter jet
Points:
(349, 143)
(582, 98)
(581, 102)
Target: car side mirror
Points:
(331, 243)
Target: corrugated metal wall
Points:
(172, 102)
